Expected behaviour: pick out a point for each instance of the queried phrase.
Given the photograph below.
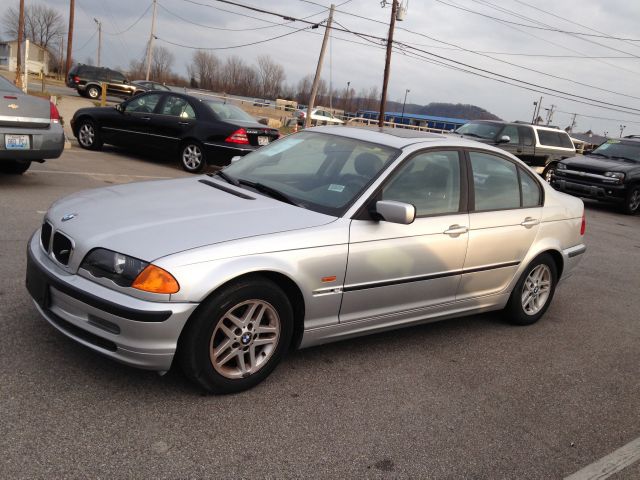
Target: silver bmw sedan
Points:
(327, 234)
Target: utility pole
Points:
(18, 80)
(151, 37)
(387, 65)
(70, 38)
(404, 103)
(550, 113)
(99, 38)
(61, 65)
(348, 103)
(573, 122)
(622, 127)
(316, 79)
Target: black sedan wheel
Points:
(88, 135)
(238, 336)
(632, 202)
(192, 157)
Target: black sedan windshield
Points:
(617, 149)
(480, 130)
(318, 171)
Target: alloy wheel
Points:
(244, 339)
(86, 135)
(536, 289)
(192, 157)
(634, 200)
(549, 174)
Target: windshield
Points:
(480, 130)
(618, 149)
(318, 171)
(225, 111)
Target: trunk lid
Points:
(26, 111)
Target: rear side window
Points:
(177, 107)
(526, 135)
(549, 139)
(531, 195)
(495, 182)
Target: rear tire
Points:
(14, 167)
(631, 204)
(237, 336)
(534, 291)
(93, 92)
(88, 135)
(192, 156)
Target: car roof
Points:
(392, 137)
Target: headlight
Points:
(117, 267)
(561, 166)
(616, 175)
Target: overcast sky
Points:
(362, 65)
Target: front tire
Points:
(192, 156)
(14, 167)
(237, 337)
(549, 172)
(88, 135)
(534, 291)
(631, 204)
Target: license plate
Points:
(263, 140)
(16, 142)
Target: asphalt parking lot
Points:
(469, 398)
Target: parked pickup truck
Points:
(539, 147)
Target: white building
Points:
(38, 59)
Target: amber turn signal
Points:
(156, 280)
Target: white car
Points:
(318, 117)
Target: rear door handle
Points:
(456, 230)
(183, 123)
(145, 118)
(530, 222)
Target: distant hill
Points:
(452, 110)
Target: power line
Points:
(599, 118)
(231, 46)
(86, 43)
(548, 29)
(133, 24)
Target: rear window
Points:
(7, 86)
(224, 111)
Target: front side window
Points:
(512, 132)
(319, 171)
(177, 107)
(495, 182)
(143, 104)
(430, 181)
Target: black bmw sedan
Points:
(197, 130)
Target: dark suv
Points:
(87, 80)
(610, 173)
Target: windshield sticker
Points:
(613, 141)
(336, 188)
(281, 146)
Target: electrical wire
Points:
(231, 46)
(85, 43)
(133, 24)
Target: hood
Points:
(599, 164)
(149, 220)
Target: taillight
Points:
(76, 79)
(239, 136)
(583, 226)
(54, 115)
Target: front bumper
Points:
(139, 333)
(45, 143)
(586, 189)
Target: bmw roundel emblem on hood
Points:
(69, 216)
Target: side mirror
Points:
(504, 139)
(119, 107)
(396, 212)
(236, 158)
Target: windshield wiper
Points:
(225, 177)
(271, 192)
(469, 134)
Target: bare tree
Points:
(137, 69)
(161, 63)
(41, 24)
(204, 68)
(271, 75)
(232, 74)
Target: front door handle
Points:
(145, 118)
(183, 123)
(530, 222)
(456, 230)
